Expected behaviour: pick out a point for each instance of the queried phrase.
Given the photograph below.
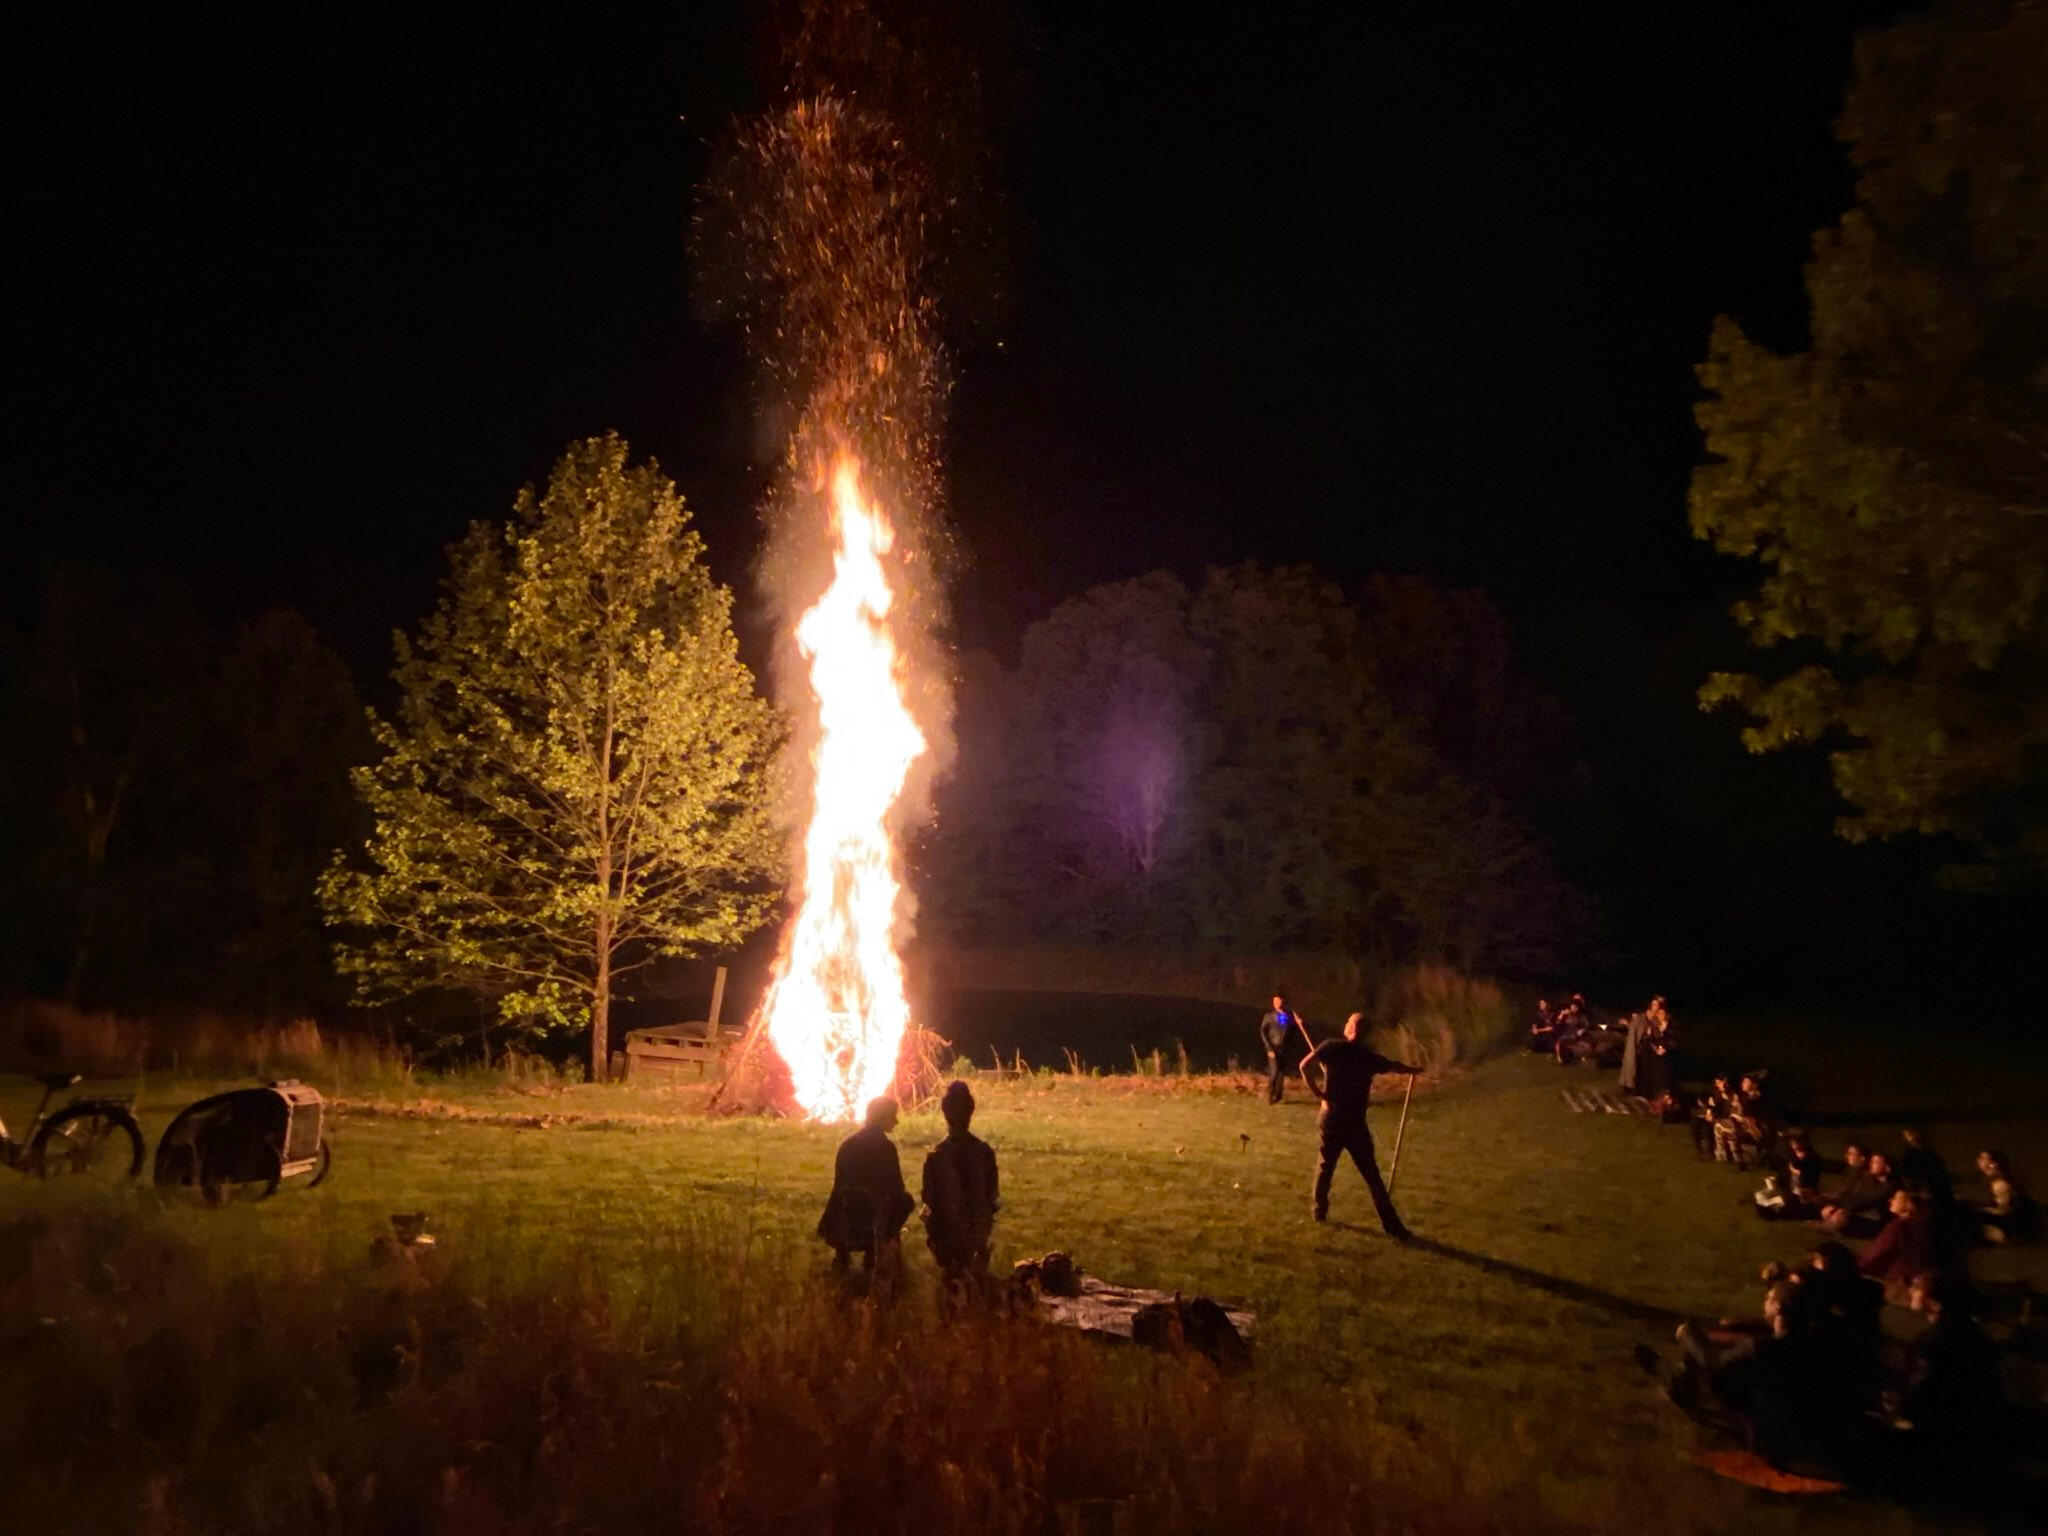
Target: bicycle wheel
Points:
(88, 1142)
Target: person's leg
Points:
(1329, 1147)
(1359, 1145)
(1276, 1080)
(1696, 1355)
(888, 1265)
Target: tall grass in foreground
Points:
(168, 1387)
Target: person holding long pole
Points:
(1347, 1067)
(1275, 1030)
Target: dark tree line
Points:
(169, 793)
(1258, 764)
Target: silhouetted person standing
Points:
(960, 1193)
(1279, 1023)
(1348, 1067)
(869, 1203)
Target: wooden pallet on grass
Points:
(1603, 1101)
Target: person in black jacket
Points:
(1347, 1067)
(960, 1192)
(1953, 1407)
(1857, 1209)
(869, 1201)
(1922, 1170)
(1782, 1385)
(1279, 1023)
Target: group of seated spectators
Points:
(1644, 1046)
(1812, 1383)
(1572, 1033)
(1867, 1200)
(1554, 1025)
(1735, 1121)
(1814, 1386)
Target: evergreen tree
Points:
(576, 779)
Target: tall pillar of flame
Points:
(836, 1011)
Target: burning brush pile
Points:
(815, 234)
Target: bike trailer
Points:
(246, 1136)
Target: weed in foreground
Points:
(722, 1385)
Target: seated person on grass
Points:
(1922, 1170)
(1775, 1277)
(1707, 1112)
(1904, 1250)
(1857, 1209)
(1755, 1124)
(1568, 1031)
(1791, 1190)
(1543, 1032)
(1734, 1127)
(1848, 1309)
(2006, 1214)
(1840, 1290)
(1952, 1403)
(1780, 1388)
(1802, 1167)
(869, 1201)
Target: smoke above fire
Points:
(817, 232)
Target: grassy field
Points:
(1494, 1352)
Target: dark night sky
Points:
(297, 297)
(298, 294)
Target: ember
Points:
(821, 214)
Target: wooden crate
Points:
(676, 1052)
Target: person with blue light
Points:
(1275, 1029)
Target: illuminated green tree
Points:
(576, 779)
(1893, 477)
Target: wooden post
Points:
(717, 997)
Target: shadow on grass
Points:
(1552, 1285)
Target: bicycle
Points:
(87, 1138)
